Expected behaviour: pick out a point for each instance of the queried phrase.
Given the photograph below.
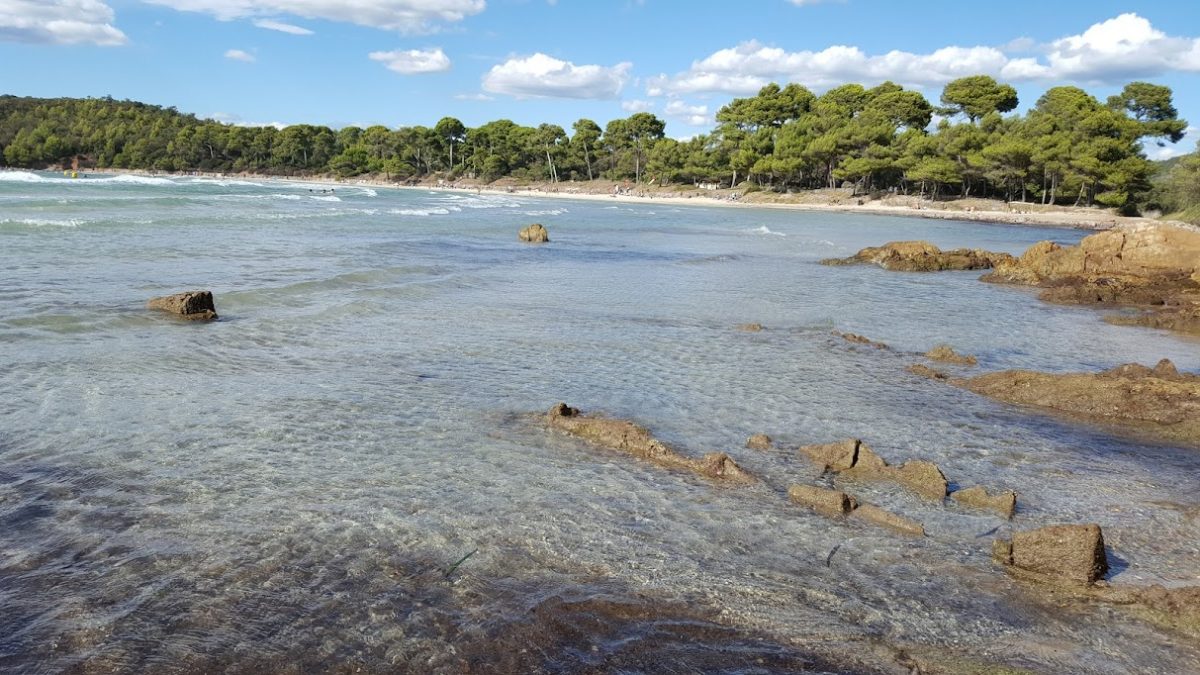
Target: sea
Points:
(348, 472)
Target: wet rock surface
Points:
(823, 500)
(627, 437)
(861, 340)
(883, 518)
(751, 327)
(1003, 503)
(946, 354)
(1151, 266)
(191, 305)
(922, 256)
(759, 442)
(534, 234)
(1158, 401)
(855, 460)
(1056, 553)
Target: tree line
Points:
(1070, 147)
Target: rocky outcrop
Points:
(627, 437)
(1003, 503)
(534, 234)
(759, 442)
(1158, 401)
(853, 459)
(946, 354)
(861, 340)
(192, 305)
(1152, 266)
(1072, 554)
(921, 256)
(822, 500)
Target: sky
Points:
(409, 62)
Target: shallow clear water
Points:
(285, 488)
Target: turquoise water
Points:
(285, 488)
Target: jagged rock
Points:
(1158, 402)
(1154, 266)
(823, 500)
(625, 436)
(861, 340)
(878, 516)
(750, 327)
(759, 442)
(1176, 608)
(534, 234)
(856, 460)
(946, 354)
(921, 256)
(1056, 553)
(1003, 503)
(925, 371)
(192, 305)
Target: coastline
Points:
(829, 201)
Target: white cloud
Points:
(413, 61)
(691, 115)
(237, 121)
(239, 55)
(61, 22)
(474, 97)
(405, 16)
(636, 106)
(291, 29)
(1112, 51)
(1167, 151)
(542, 76)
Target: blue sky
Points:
(404, 62)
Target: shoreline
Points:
(827, 201)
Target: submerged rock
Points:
(861, 340)
(927, 372)
(625, 436)
(874, 514)
(192, 305)
(534, 234)
(946, 354)
(1152, 266)
(759, 442)
(1157, 401)
(1056, 553)
(1003, 503)
(922, 256)
(751, 327)
(855, 460)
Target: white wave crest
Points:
(44, 222)
(326, 198)
(546, 212)
(21, 177)
(436, 211)
(134, 180)
(763, 229)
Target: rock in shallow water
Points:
(534, 234)
(922, 256)
(193, 305)
(1056, 553)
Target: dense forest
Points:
(1069, 148)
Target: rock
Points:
(926, 371)
(859, 339)
(192, 305)
(759, 442)
(1056, 553)
(835, 457)
(856, 460)
(1003, 503)
(1157, 402)
(534, 234)
(921, 256)
(823, 500)
(946, 354)
(627, 437)
(750, 327)
(874, 514)
(1176, 608)
(1153, 266)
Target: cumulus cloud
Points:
(405, 16)
(542, 76)
(62, 22)
(691, 115)
(413, 61)
(239, 55)
(291, 29)
(1116, 50)
(473, 97)
(636, 106)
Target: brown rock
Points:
(946, 354)
(1003, 503)
(1157, 402)
(921, 256)
(192, 305)
(1062, 553)
(750, 327)
(823, 500)
(627, 437)
(926, 371)
(534, 234)
(837, 456)
(874, 514)
(861, 340)
(1177, 608)
(918, 475)
(759, 442)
